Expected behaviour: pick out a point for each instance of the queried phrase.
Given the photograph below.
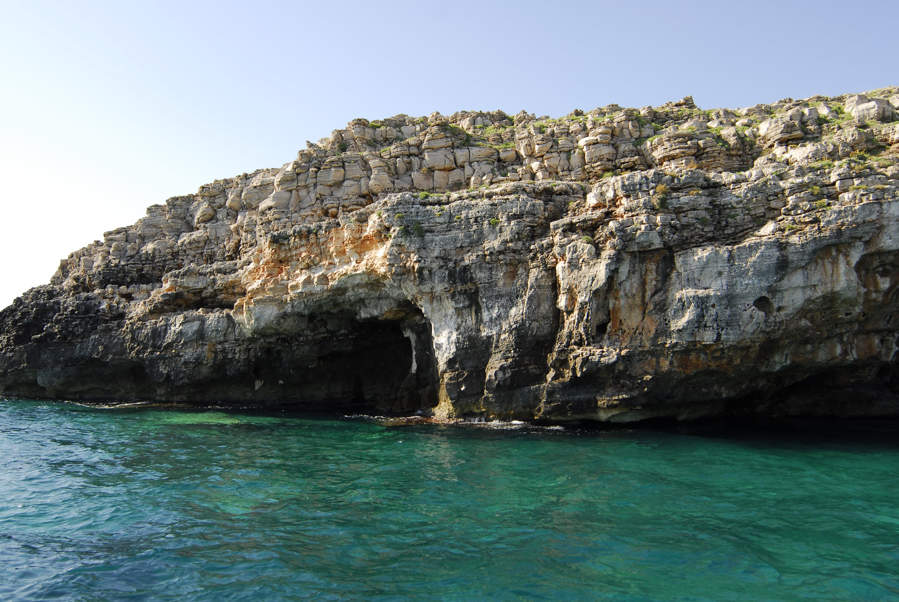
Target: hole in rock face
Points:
(337, 363)
(764, 304)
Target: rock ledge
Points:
(614, 265)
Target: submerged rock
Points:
(613, 265)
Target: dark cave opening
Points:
(338, 363)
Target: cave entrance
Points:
(338, 363)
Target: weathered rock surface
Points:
(618, 264)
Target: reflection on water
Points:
(149, 503)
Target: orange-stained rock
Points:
(615, 265)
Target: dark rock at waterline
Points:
(617, 265)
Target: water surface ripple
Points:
(206, 505)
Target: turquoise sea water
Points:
(206, 505)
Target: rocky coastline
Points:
(614, 265)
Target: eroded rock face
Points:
(614, 265)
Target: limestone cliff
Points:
(617, 264)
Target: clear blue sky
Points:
(108, 107)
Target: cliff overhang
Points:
(615, 265)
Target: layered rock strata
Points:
(617, 264)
